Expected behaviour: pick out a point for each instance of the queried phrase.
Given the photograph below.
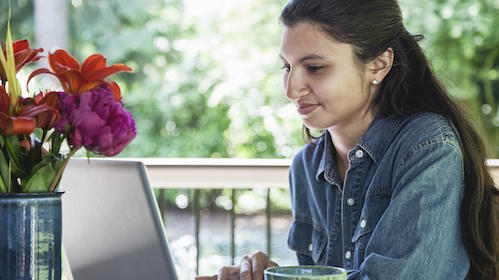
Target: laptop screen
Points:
(111, 223)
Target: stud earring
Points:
(375, 82)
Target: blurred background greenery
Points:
(206, 78)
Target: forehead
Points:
(305, 39)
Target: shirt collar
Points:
(375, 140)
(374, 143)
(327, 166)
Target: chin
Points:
(313, 126)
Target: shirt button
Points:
(363, 223)
(348, 255)
(311, 247)
(350, 201)
(359, 153)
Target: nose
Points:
(294, 85)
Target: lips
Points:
(305, 109)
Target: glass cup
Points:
(305, 273)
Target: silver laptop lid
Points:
(111, 223)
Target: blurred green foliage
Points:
(463, 46)
(22, 23)
(247, 201)
(209, 85)
(202, 87)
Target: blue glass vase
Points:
(30, 235)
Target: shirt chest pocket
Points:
(376, 202)
(308, 242)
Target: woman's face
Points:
(323, 80)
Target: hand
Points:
(250, 268)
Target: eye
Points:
(286, 67)
(314, 69)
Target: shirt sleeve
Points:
(419, 234)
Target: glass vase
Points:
(30, 235)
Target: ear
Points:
(382, 66)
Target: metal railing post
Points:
(268, 214)
(233, 227)
(197, 221)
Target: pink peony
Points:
(97, 122)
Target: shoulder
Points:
(422, 136)
(309, 157)
(427, 125)
(425, 128)
(397, 137)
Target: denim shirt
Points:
(397, 213)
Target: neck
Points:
(346, 137)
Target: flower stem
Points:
(58, 175)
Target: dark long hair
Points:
(373, 26)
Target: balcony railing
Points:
(204, 173)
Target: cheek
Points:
(358, 85)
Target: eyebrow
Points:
(308, 57)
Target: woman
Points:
(396, 187)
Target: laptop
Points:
(111, 223)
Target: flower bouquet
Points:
(34, 132)
(88, 113)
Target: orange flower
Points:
(26, 115)
(22, 56)
(47, 110)
(10, 125)
(76, 78)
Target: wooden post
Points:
(51, 26)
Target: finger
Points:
(228, 272)
(246, 268)
(260, 262)
(272, 264)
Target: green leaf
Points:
(58, 164)
(34, 155)
(9, 65)
(13, 149)
(57, 140)
(4, 173)
(47, 160)
(48, 167)
(35, 184)
(2, 186)
(40, 181)
(39, 133)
